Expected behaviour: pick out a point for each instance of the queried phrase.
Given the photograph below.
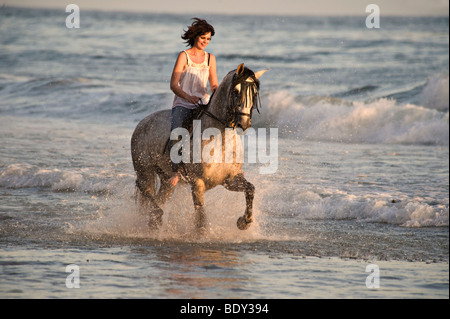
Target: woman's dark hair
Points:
(197, 28)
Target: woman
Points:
(192, 71)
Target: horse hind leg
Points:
(147, 203)
(165, 190)
(240, 184)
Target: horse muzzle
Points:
(243, 120)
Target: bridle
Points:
(246, 86)
(235, 101)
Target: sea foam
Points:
(383, 121)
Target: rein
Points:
(204, 110)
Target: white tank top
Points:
(194, 81)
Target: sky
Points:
(277, 7)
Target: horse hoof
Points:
(244, 223)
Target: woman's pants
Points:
(181, 117)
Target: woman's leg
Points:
(181, 117)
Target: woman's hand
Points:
(193, 99)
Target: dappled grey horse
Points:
(230, 107)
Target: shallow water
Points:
(174, 269)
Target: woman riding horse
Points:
(189, 81)
(229, 108)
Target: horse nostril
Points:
(244, 126)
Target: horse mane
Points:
(243, 76)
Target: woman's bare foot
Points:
(174, 179)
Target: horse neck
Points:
(218, 106)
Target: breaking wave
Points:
(383, 120)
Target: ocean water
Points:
(362, 168)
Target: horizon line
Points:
(262, 14)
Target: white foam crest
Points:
(23, 175)
(435, 93)
(327, 204)
(334, 120)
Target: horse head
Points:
(244, 97)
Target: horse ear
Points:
(240, 69)
(259, 73)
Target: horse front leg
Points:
(240, 184)
(198, 192)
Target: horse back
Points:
(150, 137)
